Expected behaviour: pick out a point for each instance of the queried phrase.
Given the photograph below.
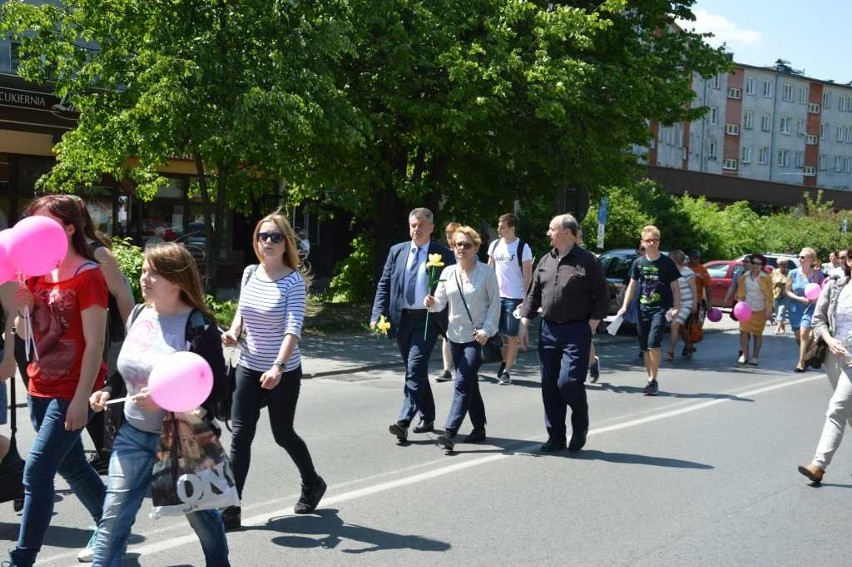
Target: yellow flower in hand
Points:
(435, 261)
(383, 325)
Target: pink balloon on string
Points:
(812, 291)
(742, 310)
(180, 381)
(7, 270)
(714, 315)
(36, 245)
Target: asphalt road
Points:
(703, 474)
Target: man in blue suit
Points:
(399, 296)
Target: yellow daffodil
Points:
(435, 261)
(383, 325)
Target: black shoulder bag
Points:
(491, 351)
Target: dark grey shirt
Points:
(568, 289)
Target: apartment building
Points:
(767, 124)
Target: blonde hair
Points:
(650, 230)
(291, 248)
(808, 251)
(174, 262)
(470, 233)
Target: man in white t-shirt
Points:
(512, 261)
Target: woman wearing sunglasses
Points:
(269, 371)
(800, 309)
(471, 291)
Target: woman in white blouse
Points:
(470, 290)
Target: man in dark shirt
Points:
(655, 275)
(570, 287)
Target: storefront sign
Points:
(40, 101)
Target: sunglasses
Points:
(464, 245)
(650, 241)
(273, 237)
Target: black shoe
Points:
(100, 461)
(595, 371)
(651, 388)
(231, 517)
(444, 376)
(18, 504)
(553, 445)
(578, 440)
(311, 496)
(447, 440)
(400, 429)
(475, 436)
(501, 369)
(424, 427)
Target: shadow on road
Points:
(327, 529)
(618, 389)
(632, 459)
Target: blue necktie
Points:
(411, 286)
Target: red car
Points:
(722, 273)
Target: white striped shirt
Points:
(270, 310)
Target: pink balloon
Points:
(36, 245)
(812, 291)
(180, 381)
(714, 315)
(7, 270)
(742, 310)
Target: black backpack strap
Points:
(520, 254)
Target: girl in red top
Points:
(68, 310)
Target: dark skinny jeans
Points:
(249, 398)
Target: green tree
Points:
(243, 88)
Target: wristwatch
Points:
(280, 364)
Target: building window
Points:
(786, 92)
(748, 120)
(841, 103)
(784, 124)
(823, 162)
(763, 154)
(803, 95)
(766, 123)
(749, 86)
(767, 89)
(730, 164)
(838, 163)
(809, 171)
(716, 82)
(732, 129)
(783, 158)
(826, 99)
(847, 165)
(848, 132)
(711, 150)
(838, 134)
(823, 129)
(714, 114)
(813, 107)
(745, 154)
(811, 140)
(800, 159)
(734, 92)
(801, 127)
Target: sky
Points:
(812, 35)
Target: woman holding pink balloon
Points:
(801, 301)
(755, 291)
(157, 332)
(62, 318)
(271, 312)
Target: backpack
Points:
(519, 255)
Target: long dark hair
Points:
(66, 210)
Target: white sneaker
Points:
(741, 359)
(87, 554)
(753, 362)
(504, 379)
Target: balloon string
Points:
(30, 331)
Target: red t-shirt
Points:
(58, 329)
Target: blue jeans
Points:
(466, 397)
(130, 467)
(54, 450)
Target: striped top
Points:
(270, 310)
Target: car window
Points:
(617, 267)
(718, 271)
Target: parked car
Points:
(722, 273)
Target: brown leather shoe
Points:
(813, 472)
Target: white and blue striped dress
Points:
(270, 310)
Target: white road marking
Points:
(147, 550)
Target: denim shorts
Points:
(509, 324)
(650, 328)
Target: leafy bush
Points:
(129, 258)
(223, 310)
(353, 279)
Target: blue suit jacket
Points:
(391, 286)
